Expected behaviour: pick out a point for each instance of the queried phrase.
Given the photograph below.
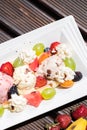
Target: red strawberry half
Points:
(7, 68)
(80, 111)
(40, 81)
(53, 47)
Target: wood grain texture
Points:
(22, 16)
(77, 8)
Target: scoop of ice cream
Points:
(27, 55)
(6, 83)
(17, 103)
(63, 51)
(53, 68)
(24, 78)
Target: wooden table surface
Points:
(20, 16)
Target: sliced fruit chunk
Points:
(34, 98)
(43, 56)
(67, 84)
(34, 65)
(40, 81)
(7, 68)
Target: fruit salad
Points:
(35, 74)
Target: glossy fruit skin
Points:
(48, 93)
(78, 76)
(34, 98)
(34, 65)
(53, 47)
(7, 68)
(38, 48)
(69, 62)
(1, 110)
(12, 90)
(55, 128)
(18, 62)
(40, 81)
(80, 111)
(64, 120)
(43, 56)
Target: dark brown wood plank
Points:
(22, 16)
(4, 36)
(77, 8)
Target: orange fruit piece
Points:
(43, 56)
(67, 84)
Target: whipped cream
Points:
(27, 55)
(17, 103)
(63, 51)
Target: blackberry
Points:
(78, 76)
(12, 90)
(46, 49)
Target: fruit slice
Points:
(79, 124)
(80, 111)
(7, 68)
(1, 110)
(48, 93)
(53, 47)
(67, 84)
(34, 98)
(43, 56)
(64, 120)
(34, 65)
(69, 62)
(40, 82)
(38, 48)
(18, 62)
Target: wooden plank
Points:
(22, 16)
(77, 8)
(4, 36)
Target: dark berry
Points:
(12, 90)
(46, 49)
(78, 76)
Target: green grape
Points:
(1, 110)
(18, 62)
(48, 93)
(39, 48)
(69, 62)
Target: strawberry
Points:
(64, 120)
(40, 81)
(34, 65)
(80, 111)
(34, 98)
(53, 126)
(7, 68)
(53, 47)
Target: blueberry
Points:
(12, 90)
(78, 76)
(46, 49)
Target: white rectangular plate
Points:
(65, 31)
